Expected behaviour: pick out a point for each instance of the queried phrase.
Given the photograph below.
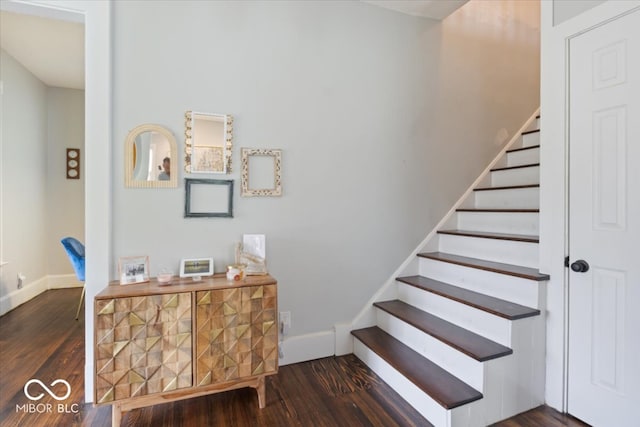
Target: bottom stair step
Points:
(441, 386)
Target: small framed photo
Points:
(196, 267)
(133, 269)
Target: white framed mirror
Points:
(150, 154)
(208, 142)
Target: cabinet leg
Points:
(116, 415)
(261, 392)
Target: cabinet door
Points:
(236, 333)
(143, 345)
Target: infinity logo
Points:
(47, 389)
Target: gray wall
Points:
(384, 120)
(39, 205)
(24, 172)
(65, 201)
(567, 9)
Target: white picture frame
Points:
(133, 269)
(196, 267)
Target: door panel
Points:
(604, 223)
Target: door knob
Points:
(580, 266)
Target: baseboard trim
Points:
(61, 281)
(20, 296)
(301, 348)
(31, 290)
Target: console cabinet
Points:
(157, 344)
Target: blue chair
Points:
(75, 252)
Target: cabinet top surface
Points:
(218, 281)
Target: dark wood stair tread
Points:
(507, 187)
(490, 235)
(496, 306)
(499, 210)
(463, 340)
(449, 391)
(530, 165)
(531, 131)
(481, 264)
(513, 150)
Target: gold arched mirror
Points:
(150, 158)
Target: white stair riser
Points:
(515, 289)
(506, 251)
(523, 382)
(453, 361)
(420, 401)
(517, 198)
(492, 327)
(523, 157)
(519, 176)
(499, 222)
(531, 139)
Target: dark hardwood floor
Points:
(41, 340)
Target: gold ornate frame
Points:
(276, 190)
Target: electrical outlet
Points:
(21, 278)
(285, 322)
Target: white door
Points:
(604, 224)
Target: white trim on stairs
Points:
(366, 317)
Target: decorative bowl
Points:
(165, 278)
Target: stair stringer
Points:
(367, 315)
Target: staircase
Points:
(464, 340)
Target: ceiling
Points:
(434, 9)
(53, 49)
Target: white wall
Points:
(65, 197)
(384, 120)
(23, 187)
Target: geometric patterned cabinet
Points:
(157, 344)
(237, 335)
(143, 346)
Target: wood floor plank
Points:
(463, 340)
(496, 306)
(504, 168)
(481, 264)
(532, 147)
(491, 235)
(449, 391)
(42, 338)
(499, 210)
(507, 187)
(542, 416)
